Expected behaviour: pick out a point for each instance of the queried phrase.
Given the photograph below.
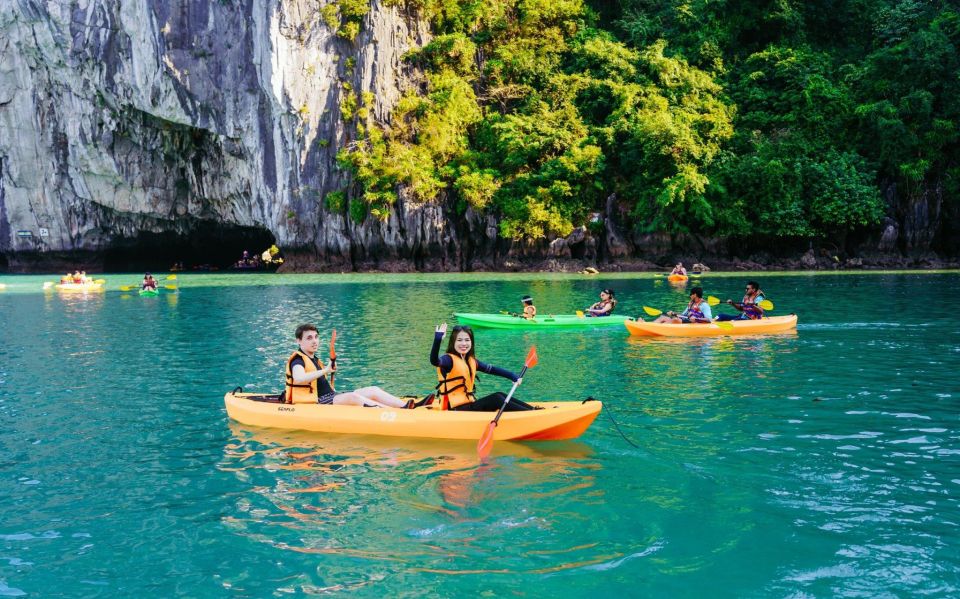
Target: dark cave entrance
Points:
(207, 246)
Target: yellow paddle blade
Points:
(100, 281)
(652, 311)
(726, 326)
(171, 287)
(171, 277)
(766, 305)
(126, 287)
(713, 301)
(579, 313)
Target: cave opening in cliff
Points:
(207, 246)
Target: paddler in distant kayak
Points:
(698, 310)
(149, 283)
(457, 372)
(605, 306)
(749, 307)
(679, 270)
(529, 310)
(306, 379)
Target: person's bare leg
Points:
(380, 396)
(355, 399)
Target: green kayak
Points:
(149, 292)
(562, 321)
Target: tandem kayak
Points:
(557, 421)
(79, 287)
(148, 292)
(774, 324)
(563, 321)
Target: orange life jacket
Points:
(301, 392)
(456, 388)
(530, 311)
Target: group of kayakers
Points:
(79, 277)
(457, 368)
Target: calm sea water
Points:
(824, 463)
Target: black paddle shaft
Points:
(507, 400)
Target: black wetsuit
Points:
(488, 403)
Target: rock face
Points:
(176, 129)
(121, 119)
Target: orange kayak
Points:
(677, 278)
(558, 420)
(775, 324)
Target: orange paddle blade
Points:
(485, 445)
(333, 339)
(531, 360)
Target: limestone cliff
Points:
(122, 122)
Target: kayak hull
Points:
(677, 278)
(559, 321)
(148, 292)
(557, 421)
(79, 288)
(775, 324)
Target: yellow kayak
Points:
(79, 287)
(558, 420)
(775, 324)
(677, 278)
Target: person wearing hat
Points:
(529, 310)
(605, 306)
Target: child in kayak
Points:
(697, 310)
(306, 379)
(749, 307)
(605, 306)
(529, 310)
(457, 372)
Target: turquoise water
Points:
(817, 464)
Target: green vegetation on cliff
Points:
(781, 118)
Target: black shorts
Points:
(326, 399)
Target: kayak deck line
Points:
(556, 421)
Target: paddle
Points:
(579, 313)
(333, 356)
(485, 445)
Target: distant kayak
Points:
(677, 278)
(564, 321)
(149, 292)
(79, 287)
(775, 324)
(557, 421)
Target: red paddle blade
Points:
(333, 339)
(485, 445)
(531, 357)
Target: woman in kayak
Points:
(149, 283)
(749, 307)
(529, 310)
(307, 381)
(605, 306)
(457, 372)
(679, 269)
(698, 311)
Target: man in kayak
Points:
(306, 379)
(529, 310)
(749, 307)
(149, 283)
(457, 372)
(698, 311)
(605, 306)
